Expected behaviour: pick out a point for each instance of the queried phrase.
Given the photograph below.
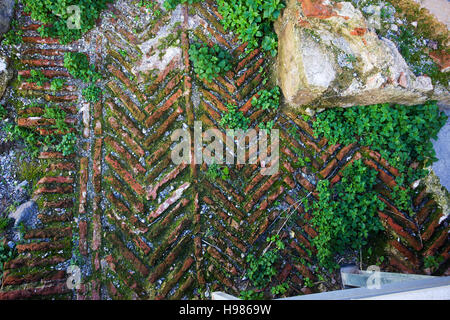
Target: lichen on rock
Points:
(329, 55)
(440, 194)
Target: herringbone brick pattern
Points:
(148, 229)
(44, 252)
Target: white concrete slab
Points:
(442, 148)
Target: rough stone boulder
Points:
(6, 13)
(25, 213)
(329, 56)
(5, 75)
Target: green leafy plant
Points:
(262, 267)
(14, 35)
(29, 137)
(251, 295)
(92, 93)
(55, 15)
(67, 145)
(3, 112)
(209, 62)
(268, 99)
(225, 173)
(78, 66)
(51, 112)
(123, 53)
(346, 216)
(252, 20)
(400, 133)
(432, 262)
(57, 84)
(234, 119)
(267, 126)
(215, 171)
(6, 254)
(380, 260)
(36, 76)
(279, 289)
(34, 141)
(4, 223)
(149, 4)
(171, 4)
(308, 282)
(350, 58)
(60, 125)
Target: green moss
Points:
(427, 24)
(52, 197)
(171, 40)
(376, 250)
(415, 51)
(31, 171)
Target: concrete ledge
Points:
(222, 296)
(436, 288)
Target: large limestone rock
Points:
(5, 75)
(6, 13)
(328, 56)
(25, 213)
